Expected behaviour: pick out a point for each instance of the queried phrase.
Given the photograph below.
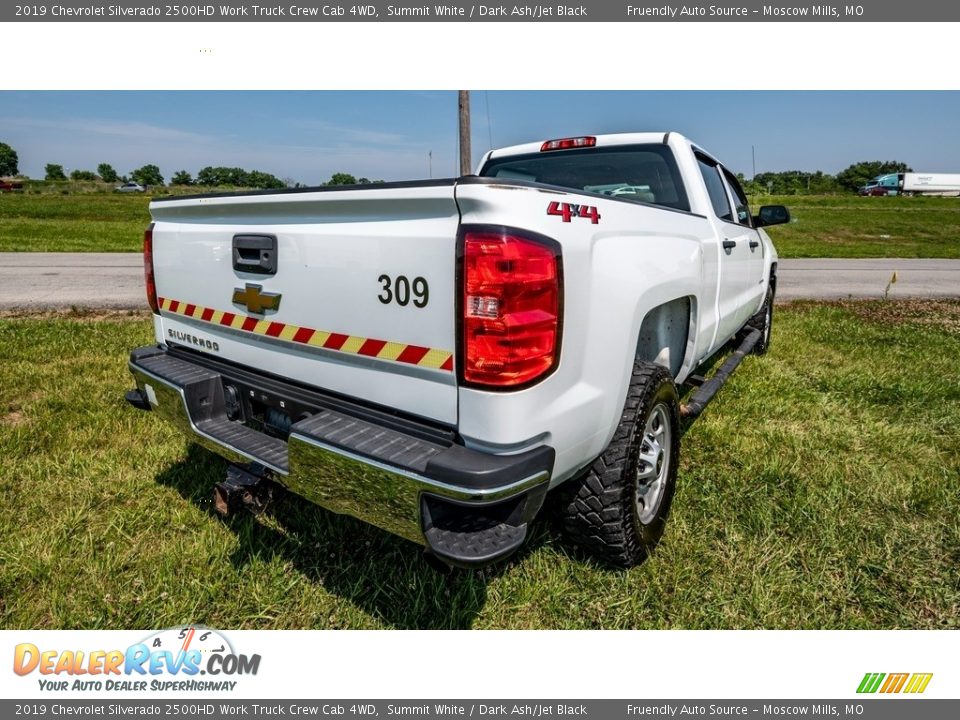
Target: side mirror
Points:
(772, 215)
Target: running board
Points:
(702, 396)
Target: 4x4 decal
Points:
(572, 210)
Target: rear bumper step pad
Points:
(469, 508)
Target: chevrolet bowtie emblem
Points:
(255, 300)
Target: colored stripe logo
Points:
(894, 683)
(368, 347)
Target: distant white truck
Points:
(432, 357)
(947, 184)
(911, 183)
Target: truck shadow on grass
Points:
(382, 575)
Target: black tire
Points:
(763, 321)
(601, 510)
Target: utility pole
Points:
(753, 154)
(465, 154)
(430, 156)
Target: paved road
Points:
(44, 281)
(54, 281)
(823, 278)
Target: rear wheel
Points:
(618, 510)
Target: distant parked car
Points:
(131, 187)
(10, 185)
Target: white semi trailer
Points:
(947, 184)
(911, 183)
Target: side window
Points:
(741, 208)
(715, 189)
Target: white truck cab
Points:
(433, 357)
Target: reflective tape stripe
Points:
(355, 345)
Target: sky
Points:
(306, 136)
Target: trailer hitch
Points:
(244, 487)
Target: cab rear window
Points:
(639, 173)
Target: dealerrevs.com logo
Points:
(169, 660)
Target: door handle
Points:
(754, 244)
(729, 244)
(255, 254)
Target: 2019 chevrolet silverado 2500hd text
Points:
(434, 357)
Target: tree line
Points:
(789, 182)
(798, 182)
(150, 175)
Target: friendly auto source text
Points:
(672, 11)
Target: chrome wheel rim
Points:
(653, 463)
(766, 326)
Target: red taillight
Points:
(149, 280)
(511, 307)
(568, 143)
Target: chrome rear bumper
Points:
(467, 507)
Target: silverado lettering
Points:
(548, 353)
(193, 340)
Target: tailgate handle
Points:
(255, 254)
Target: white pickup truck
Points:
(433, 357)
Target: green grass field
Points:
(105, 222)
(820, 490)
(861, 227)
(824, 226)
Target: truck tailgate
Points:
(361, 301)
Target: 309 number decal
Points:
(402, 290)
(570, 210)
